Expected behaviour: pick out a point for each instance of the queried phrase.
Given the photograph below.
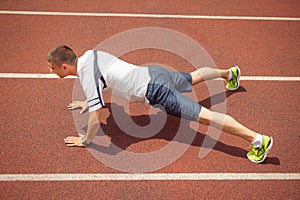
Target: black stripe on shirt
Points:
(97, 77)
(95, 105)
(92, 100)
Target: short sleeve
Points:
(90, 80)
(94, 96)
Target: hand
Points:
(74, 141)
(78, 104)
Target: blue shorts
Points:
(165, 91)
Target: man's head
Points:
(62, 61)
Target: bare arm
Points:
(93, 127)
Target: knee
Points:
(205, 116)
(205, 121)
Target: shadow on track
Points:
(122, 140)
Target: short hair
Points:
(62, 55)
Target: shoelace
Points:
(258, 151)
(233, 81)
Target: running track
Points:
(35, 119)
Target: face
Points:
(56, 69)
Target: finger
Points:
(83, 110)
(72, 145)
(70, 140)
(70, 106)
(73, 106)
(75, 145)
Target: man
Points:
(98, 70)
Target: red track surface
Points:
(35, 118)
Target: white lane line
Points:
(269, 78)
(54, 76)
(28, 75)
(153, 176)
(132, 15)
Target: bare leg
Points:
(207, 73)
(226, 123)
(221, 121)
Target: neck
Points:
(74, 70)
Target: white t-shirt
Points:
(127, 80)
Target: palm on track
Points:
(78, 104)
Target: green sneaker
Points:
(234, 82)
(259, 154)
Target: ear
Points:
(65, 66)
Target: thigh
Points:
(175, 103)
(182, 81)
(184, 107)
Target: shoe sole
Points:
(266, 153)
(238, 79)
